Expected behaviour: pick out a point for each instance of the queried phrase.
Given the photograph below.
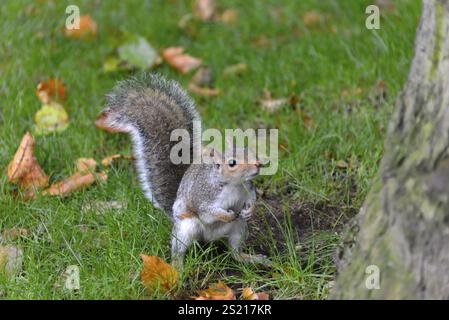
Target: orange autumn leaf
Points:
(85, 165)
(75, 182)
(24, 169)
(108, 160)
(87, 28)
(249, 294)
(218, 291)
(182, 62)
(101, 123)
(51, 90)
(158, 274)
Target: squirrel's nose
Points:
(258, 164)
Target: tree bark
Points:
(403, 226)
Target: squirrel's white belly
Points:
(233, 197)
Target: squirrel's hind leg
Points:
(236, 238)
(185, 232)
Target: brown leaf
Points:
(229, 16)
(341, 164)
(249, 294)
(75, 182)
(218, 291)
(311, 19)
(14, 233)
(158, 274)
(24, 169)
(235, 69)
(387, 5)
(11, 260)
(100, 123)
(86, 165)
(203, 91)
(204, 9)
(87, 28)
(176, 58)
(52, 90)
(272, 105)
(108, 160)
(307, 120)
(203, 77)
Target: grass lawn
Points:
(333, 68)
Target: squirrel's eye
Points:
(232, 163)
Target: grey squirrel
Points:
(205, 201)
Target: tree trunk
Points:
(403, 226)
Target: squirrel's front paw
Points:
(247, 211)
(227, 216)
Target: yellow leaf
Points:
(51, 117)
(158, 274)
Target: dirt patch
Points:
(279, 217)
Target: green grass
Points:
(314, 64)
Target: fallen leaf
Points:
(70, 278)
(87, 28)
(262, 41)
(51, 118)
(272, 105)
(85, 165)
(229, 16)
(387, 5)
(108, 160)
(311, 19)
(75, 182)
(218, 291)
(341, 164)
(235, 69)
(100, 207)
(158, 274)
(379, 93)
(307, 120)
(100, 123)
(204, 9)
(138, 53)
(24, 169)
(11, 260)
(14, 233)
(111, 64)
(249, 294)
(203, 77)
(176, 58)
(51, 90)
(203, 91)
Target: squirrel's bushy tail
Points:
(149, 108)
